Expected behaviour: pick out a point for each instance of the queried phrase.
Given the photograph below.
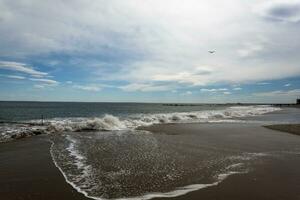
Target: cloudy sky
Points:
(150, 50)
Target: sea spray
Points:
(110, 122)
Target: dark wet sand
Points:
(274, 179)
(27, 171)
(290, 128)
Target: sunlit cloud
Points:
(237, 88)
(20, 67)
(226, 93)
(144, 87)
(250, 49)
(290, 93)
(187, 93)
(152, 46)
(13, 76)
(39, 86)
(92, 88)
(263, 83)
(45, 81)
(213, 90)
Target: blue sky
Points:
(150, 50)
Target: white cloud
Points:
(157, 41)
(226, 93)
(69, 82)
(237, 88)
(250, 49)
(92, 88)
(40, 76)
(38, 86)
(14, 77)
(45, 81)
(144, 87)
(187, 93)
(196, 76)
(280, 93)
(287, 85)
(213, 90)
(20, 67)
(263, 83)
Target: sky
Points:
(150, 50)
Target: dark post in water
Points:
(42, 119)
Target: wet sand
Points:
(290, 128)
(27, 171)
(276, 178)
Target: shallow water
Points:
(102, 154)
(21, 119)
(141, 164)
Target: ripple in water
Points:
(141, 165)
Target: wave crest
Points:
(110, 122)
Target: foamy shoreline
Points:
(111, 123)
(46, 182)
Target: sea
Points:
(103, 151)
(21, 119)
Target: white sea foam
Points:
(110, 122)
(80, 186)
(177, 192)
(79, 161)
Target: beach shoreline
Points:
(27, 170)
(288, 128)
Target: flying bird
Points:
(211, 51)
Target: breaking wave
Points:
(110, 122)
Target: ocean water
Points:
(21, 119)
(18, 111)
(101, 153)
(142, 165)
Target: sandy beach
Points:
(149, 100)
(276, 177)
(289, 128)
(27, 171)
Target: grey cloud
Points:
(277, 93)
(285, 11)
(288, 11)
(174, 39)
